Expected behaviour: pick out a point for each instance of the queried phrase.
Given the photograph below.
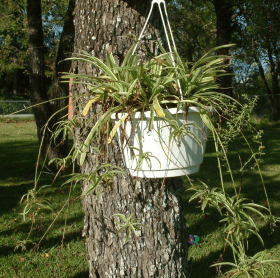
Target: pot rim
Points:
(147, 114)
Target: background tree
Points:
(224, 10)
(58, 89)
(257, 37)
(38, 92)
(14, 44)
(201, 25)
(194, 27)
(100, 28)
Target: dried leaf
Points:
(13, 267)
(158, 108)
(85, 111)
(116, 127)
(45, 255)
(160, 61)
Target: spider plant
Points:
(246, 266)
(153, 85)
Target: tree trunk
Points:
(100, 27)
(15, 79)
(275, 84)
(38, 92)
(224, 13)
(58, 89)
(273, 106)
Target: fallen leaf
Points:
(45, 255)
(21, 259)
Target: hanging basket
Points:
(162, 159)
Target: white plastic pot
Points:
(171, 161)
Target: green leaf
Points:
(90, 136)
(205, 118)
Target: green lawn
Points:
(206, 225)
(18, 150)
(19, 147)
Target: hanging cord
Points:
(166, 34)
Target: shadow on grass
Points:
(83, 274)
(46, 243)
(11, 195)
(17, 160)
(201, 267)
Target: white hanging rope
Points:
(166, 34)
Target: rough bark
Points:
(38, 92)
(224, 14)
(100, 27)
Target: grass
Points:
(206, 225)
(19, 147)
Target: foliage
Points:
(13, 36)
(20, 144)
(152, 85)
(129, 224)
(33, 204)
(236, 211)
(14, 44)
(156, 85)
(9, 107)
(94, 180)
(248, 266)
(255, 33)
(194, 27)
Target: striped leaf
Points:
(158, 108)
(151, 121)
(90, 136)
(205, 118)
(114, 130)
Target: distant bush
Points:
(9, 106)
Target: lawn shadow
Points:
(83, 274)
(18, 159)
(46, 243)
(11, 195)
